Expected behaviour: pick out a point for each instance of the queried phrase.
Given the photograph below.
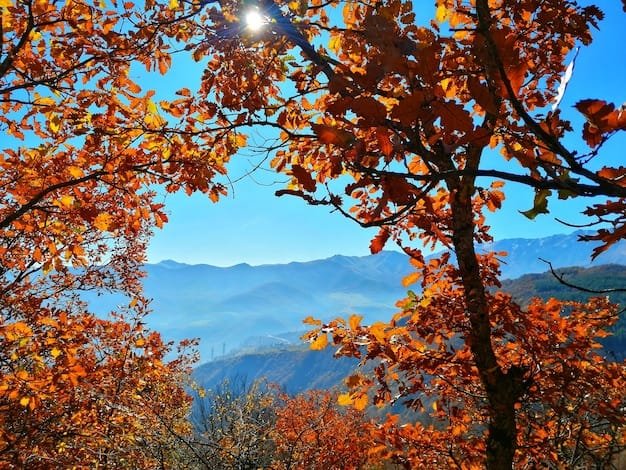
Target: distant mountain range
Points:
(297, 368)
(226, 306)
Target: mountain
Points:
(524, 254)
(280, 360)
(296, 369)
(224, 306)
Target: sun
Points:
(254, 20)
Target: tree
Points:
(83, 149)
(234, 425)
(395, 125)
(258, 426)
(78, 390)
(312, 431)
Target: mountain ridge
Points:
(225, 305)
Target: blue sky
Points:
(251, 225)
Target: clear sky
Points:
(252, 226)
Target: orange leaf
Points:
(378, 242)
(311, 321)
(355, 321)
(334, 136)
(617, 175)
(384, 141)
(411, 278)
(360, 402)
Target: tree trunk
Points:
(503, 389)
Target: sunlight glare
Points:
(254, 20)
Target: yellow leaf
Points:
(76, 172)
(425, 302)
(6, 3)
(355, 321)
(24, 401)
(344, 399)
(42, 100)
(102, 221)
(241, 140)
(174, 4)
(55, 352)
(335, 44)
(434, 405)
(55, 123)
(441, 13)
(66, 201)
(152, 108)
(320, 342)
(140, 342)
(411, 279)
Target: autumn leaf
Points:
(360, 402)
(617, 175)
(76, 172)
(312, 321)
(304, 178)
(411, 278)
(331, 135)
(481, 94)
(320, 342)
(378, 242)
(355, 321)
(103, 221)
(441, 14)
(345, 399)
(384, 141)
(371, 111)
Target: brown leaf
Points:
(304, 178)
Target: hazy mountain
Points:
(295, 369)
(224, 306)
(280, 360)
